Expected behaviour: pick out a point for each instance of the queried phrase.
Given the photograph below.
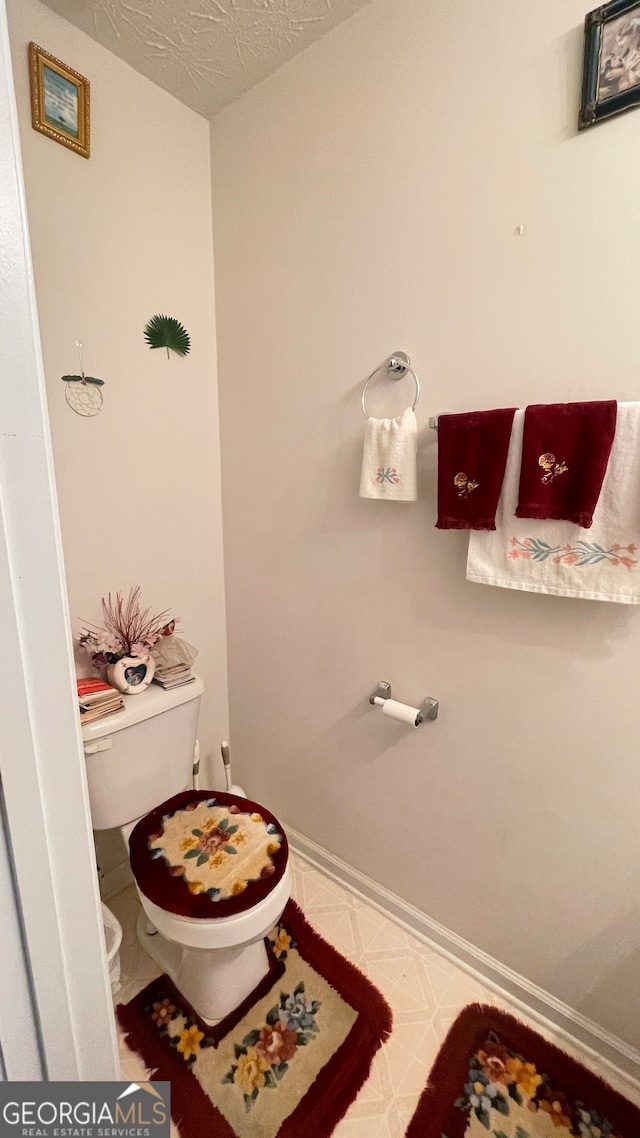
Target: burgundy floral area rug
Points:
(495, 1077)
(288, 1063)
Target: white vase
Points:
(131, 674)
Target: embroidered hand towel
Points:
(389, 461)
(565, 451)
(598, 564)
(472, 455)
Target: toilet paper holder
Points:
(428, 709)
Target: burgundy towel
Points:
(565, 451)
(472, 455)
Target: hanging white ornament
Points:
(83, 392)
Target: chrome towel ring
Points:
(396, 366)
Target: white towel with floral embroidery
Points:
(601, 563)
(389, 460)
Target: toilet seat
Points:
(222, 932)
(208, 855)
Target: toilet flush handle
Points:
(99, 745)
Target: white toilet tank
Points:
(138, 757)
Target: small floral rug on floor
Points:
(286, 1064)
(495, 1078)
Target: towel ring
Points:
(396, 366)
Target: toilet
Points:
(211, 868)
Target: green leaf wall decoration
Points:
(166, 332)
(82, 379)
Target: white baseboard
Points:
(547, 1010)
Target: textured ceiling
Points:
(206, 52)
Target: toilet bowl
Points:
(215, 977)
(211, 868)
(213, 877)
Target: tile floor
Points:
(425, 990)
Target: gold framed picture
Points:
(611, 67)
(59, 101)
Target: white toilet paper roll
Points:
(402, 712)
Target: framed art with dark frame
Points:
(611, 69)
(59, 100)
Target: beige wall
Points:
(115, 240)
(365, 200)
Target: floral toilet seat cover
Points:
(207, 854)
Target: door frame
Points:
(20, 1054)
(41, 757)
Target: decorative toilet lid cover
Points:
(207, 854)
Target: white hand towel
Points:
(390, 459)
(601, 563)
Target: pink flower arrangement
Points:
(126, 630)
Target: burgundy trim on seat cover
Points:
(170, 892)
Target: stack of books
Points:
(174, 676)
(97, 699)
